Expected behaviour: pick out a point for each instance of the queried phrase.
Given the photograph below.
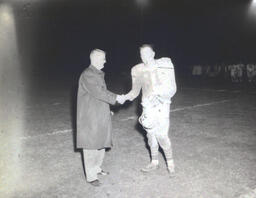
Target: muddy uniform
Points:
(158, 86)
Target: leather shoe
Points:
(95, 183)
(102, 172)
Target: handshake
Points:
(122, 98)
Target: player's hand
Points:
(121, 99)
(128, 97)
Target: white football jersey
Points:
(154, 80)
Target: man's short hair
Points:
(147, 46)
(96, 52)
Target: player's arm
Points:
(172, 83)
(136, 85)
(167, 87)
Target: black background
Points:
(59, 35)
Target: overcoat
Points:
(93, 112)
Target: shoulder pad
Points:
(137, 67)
(164, 62)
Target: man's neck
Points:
(97, 69)
(151, 63)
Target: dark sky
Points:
(56, 34)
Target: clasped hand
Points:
(122, 98)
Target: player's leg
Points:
(165, 143)
(153, 145)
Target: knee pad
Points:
(147, 121)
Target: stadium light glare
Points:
(252, 9)
(12, 119)
(253, 4)
(142, 3)
(6, 16)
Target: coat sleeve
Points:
(136, 84)
(88, 83)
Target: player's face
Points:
(147, 55)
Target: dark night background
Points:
(57, 36)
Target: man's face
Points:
(147, 55)
(99, 60)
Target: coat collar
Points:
(94, 69)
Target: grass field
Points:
(213, 134)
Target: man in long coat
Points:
(94, 116)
